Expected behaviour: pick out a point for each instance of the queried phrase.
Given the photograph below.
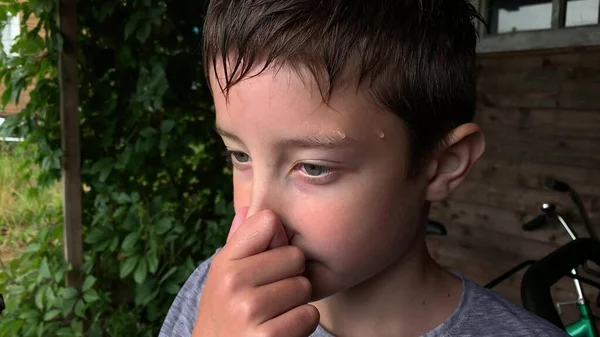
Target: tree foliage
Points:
(156, 189)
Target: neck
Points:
(411, 297)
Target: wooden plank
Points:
(532, 175)
(541, 122)
(568, 80)
(559, 150)
(499, 244)
(523, 200)
(579, 94)
(69, 114)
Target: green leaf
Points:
(123, 198)
(50, 298)
(77, 327)
(167, 275)
(91, 296)
(144, 32)
(152, 260)
(127, 266)
(30, 315)
(114, 244)
(32, 248)
(130, 240)
(144, 292)
(94, 236)
(103, 167)
(155, 15)
(148, 132)
(88, 283)
(52, 314)
(58, 276)
(45, 270)
(80, 309)
(163, 225)
(69, 292)
(131, 25)
(141, 272)
(167, 126)
(172, 288)
(106, 9)
(39, 298)
(67, 306)
(40, 329)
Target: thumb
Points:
(240, 215)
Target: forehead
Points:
(286, 96)
(284, 102)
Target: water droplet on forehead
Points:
(381, 134)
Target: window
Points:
(582, 13)
(515, 25)
(10, 32)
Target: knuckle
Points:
(247, 307)
(232, 280)
(264, 332)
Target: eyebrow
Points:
(333, 140)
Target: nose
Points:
(267, 194)
(263, 195)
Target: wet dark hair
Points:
(416, 58)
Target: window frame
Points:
(556, 37)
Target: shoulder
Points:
(483, 312)
(182, 315)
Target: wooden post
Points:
(559, 10)
(69, 115)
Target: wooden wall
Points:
(540, 112)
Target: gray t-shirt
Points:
(480, 312)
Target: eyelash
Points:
(318, 180)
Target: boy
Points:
(345, 119)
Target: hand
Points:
(254, 287)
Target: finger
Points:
(240, 215)
(279, 297)
(272, 266)
(301, 321)
(256, 233)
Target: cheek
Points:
(347, 230)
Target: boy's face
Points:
(335, 175)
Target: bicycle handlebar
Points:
(557, 185)
(561, 186)
(535, 223)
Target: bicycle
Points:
(543, 273)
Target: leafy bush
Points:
(156, 190)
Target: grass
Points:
(20, 203)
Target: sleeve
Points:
(182, 315)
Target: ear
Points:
(450, 166)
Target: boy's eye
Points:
(314, 170)
(240, 157)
